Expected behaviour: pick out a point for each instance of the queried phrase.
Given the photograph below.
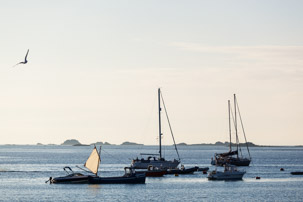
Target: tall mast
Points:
(229, 125)
(235, 103)
(160, 134)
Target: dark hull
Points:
(182, 171)
(231, 161)
(164, 164)
(153, 173)
(134, 179)
(296, 173)
(240, 162)
(71, 180)
(203, 169)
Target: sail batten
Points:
(93, 161)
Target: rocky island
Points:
(130, 143)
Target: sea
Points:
(25, 169)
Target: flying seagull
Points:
(25, 59)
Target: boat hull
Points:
(182, 171)
(231, 161)
(203, 169)
(153, 173)
(71, 179)
(163, 164)
(134, 179)
(297, 173)
(225, 176)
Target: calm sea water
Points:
(24, 170)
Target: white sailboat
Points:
(157, 160)
(233, 157)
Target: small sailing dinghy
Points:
(157, 160)
(230, 172)
(92, 164)
(233, 157)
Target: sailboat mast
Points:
(229, 125)
(160, 134)
(235, 103)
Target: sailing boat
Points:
(157, 160)
(233, 157)
(92, 164)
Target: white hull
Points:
(235, 175)
(144, 164)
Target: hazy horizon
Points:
(141, 144)
(94, 68)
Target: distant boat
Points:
(229, 173)
(297, 173)
(182, 170)
(203, 169)
(233, 157)
(92, 164)
(157, 160)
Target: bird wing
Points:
(26, 54)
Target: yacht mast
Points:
(235, 102)
(160, 134)
(229, 126)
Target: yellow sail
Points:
(93, 161)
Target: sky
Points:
(94, 68)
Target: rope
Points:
(118, 159)
(243, 129)
(237, 138)
(171, 131)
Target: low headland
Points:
(250, 144)
(74, 142)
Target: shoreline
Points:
(136, 145)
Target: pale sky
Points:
(94, 68)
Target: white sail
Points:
(93, 161)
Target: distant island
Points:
(250, 144)
(74, 142)
(130, 143)
(71, 142)
(80, 145)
